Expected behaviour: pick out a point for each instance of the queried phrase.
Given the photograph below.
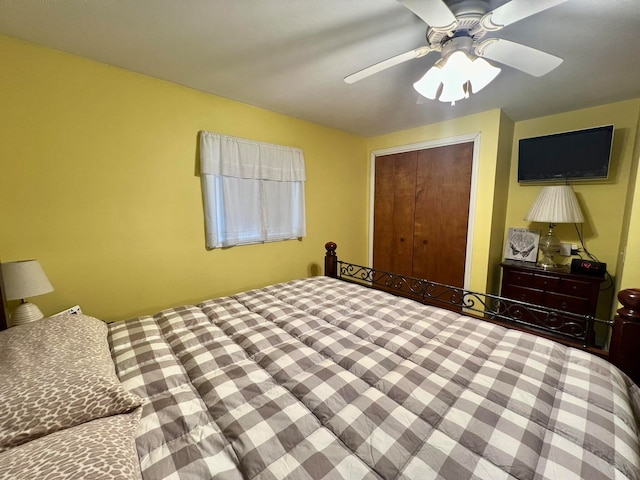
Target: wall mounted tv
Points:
(575, 155)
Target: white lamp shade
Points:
(24, 279)
(456, 67)
(481, 74)
(556, 204)
(452, 92)
(428, 85)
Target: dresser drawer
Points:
(546, 282)
(575, 288)
(518, 278)
(567, 303)
(558, 289)
(523, 294)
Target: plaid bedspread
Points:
(321, 379)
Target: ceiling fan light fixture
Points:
(456, 76)
(456, 29)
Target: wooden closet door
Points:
(394, 206)
(443, 179)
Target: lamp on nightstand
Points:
(24, 279)
(555, 204)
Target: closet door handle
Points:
(402, 239)
(424, 242)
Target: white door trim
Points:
(472, 137)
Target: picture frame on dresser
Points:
(522, 245)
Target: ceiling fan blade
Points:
(530, 60)
(434, 13)
(514, 11)
(389, 62)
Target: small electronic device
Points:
(588, 267)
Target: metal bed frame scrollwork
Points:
(571, 326)
(565, 327)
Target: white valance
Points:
(253, 191)
(249, 159)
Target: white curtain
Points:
(253, 192)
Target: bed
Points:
(319, 378)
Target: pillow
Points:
(56, 373)
(101, 449)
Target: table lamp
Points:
(24, 279)
(555, 204)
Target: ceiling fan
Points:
(457, 31)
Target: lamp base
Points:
(25, 312)
(546, 262)
(549, 246)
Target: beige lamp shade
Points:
(556, 204)
(22, 280)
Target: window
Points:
(253, 192)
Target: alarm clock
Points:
(588, 267)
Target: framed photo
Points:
(522, 245)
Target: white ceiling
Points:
(291, 56)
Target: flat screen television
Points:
(576, 155)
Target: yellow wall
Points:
(487, 228)
(631, 274)
(98, 182)
(501, 186)
(603, 203)
(630, 242)
(612, 224)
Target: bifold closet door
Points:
(441, 217)
(394, 208)
(421, 212)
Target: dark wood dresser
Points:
(551, 288)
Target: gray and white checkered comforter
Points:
(321, 379)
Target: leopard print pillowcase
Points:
(100, 449)
(54, 374)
